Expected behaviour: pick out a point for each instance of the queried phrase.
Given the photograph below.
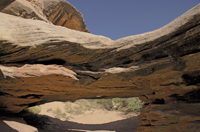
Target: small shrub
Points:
(84, 105)
(119, 104)
(34, 109)
(76, 110)
(59, 114)
(105, 103)
(134, 104)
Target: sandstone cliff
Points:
(41, 62)
(58, 12)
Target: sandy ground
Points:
(92, 121)
(95, 120)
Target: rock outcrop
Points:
(58, 12)
(64, 14)
(8, 124)
(41, 62)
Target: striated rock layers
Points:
(58, 12)
(41, 62)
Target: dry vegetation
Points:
(79, 107)
(126, 105)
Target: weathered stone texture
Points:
(41, 62)
(66, 15)
(174, 117)
(58, 12)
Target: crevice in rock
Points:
(190, 97)
(191, 78)
(31, 96)
(197, 121)
(100, 97)
(193, 51)
(1, 74)
(147, 125)
(52, 61)
(159, 101)
(86, 75)
(4, 94)
(30, 104)
(178, 97)
(154, 56)
(84, 67)
(176, 84)
(154, 120)
(46, 62)
(127, 62)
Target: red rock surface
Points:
(66, 15)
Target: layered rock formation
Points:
(41, 62)
(58, 12)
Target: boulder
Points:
(58, 12)
(15, 124)
(41, 62)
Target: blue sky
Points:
(120, 18)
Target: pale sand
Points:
(92, 121)
(100, 117)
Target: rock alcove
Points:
(106, 115)
(41, 62)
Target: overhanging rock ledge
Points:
(41, 62)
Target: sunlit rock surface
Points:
(41, 62)
(15, 124)
(58, 12)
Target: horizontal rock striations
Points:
(58, 12)
(64, 14)
(41, 62)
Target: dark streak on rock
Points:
(33, 96)
(191, 78)
(190, 97)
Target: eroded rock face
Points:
(58, 12)
(64, 14)
(41, 62)
(175, 117)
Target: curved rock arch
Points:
(41, 62)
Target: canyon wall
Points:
(41, 62)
